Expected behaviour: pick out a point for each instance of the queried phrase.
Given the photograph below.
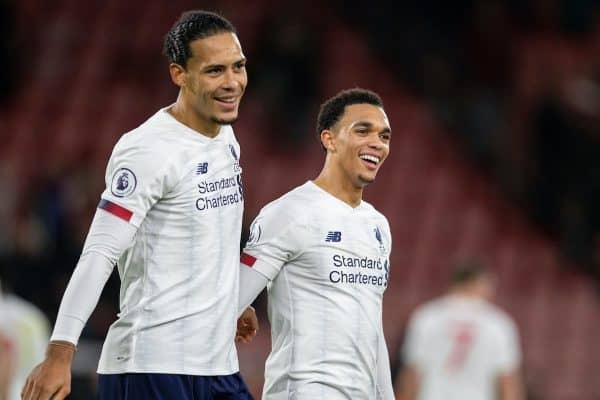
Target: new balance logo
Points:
(202, 168)
(334, 236)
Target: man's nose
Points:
(376, 142)
(231, 81)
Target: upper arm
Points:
(509, 348)
(137, 176)
(252, 282)
(510, 384)
(275, 239)
(384, 376)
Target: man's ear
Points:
(177, 73)
(328, 140)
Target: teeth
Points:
(227, 100)
(368, 157)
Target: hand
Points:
(247, 326)
(52, 378)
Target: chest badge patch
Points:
(379, 239)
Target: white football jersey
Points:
(329, 266)
(179, 278)
(460, 346)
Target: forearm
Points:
(81, 296)
(511, 387)
(251, 284)
(107, 240)
(384, 375)
(407, 385)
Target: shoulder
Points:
(151, 136)
(144, 158)
(135, 157)
(289, 207)
(152, 146)
(501, 319)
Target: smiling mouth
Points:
(226, 100)
(371, 160)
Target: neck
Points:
(186, 114)
(467, 293)
(339, 186)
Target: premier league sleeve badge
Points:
(123, 183)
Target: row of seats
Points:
(79, 100)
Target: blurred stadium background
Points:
(495, 108)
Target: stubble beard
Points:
(223, 121)
(365, 180)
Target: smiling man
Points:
(324, 254)
(172, 226)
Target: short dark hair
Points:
(331, 110)
(467, 272)
(192, 25)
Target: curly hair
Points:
(192, 25)
(331, 110)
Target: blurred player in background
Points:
(7, 361)
(461, 346)
(24, 333)
(324, 254)
(171, 218)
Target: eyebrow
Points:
(207, 67)
(370, 125)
